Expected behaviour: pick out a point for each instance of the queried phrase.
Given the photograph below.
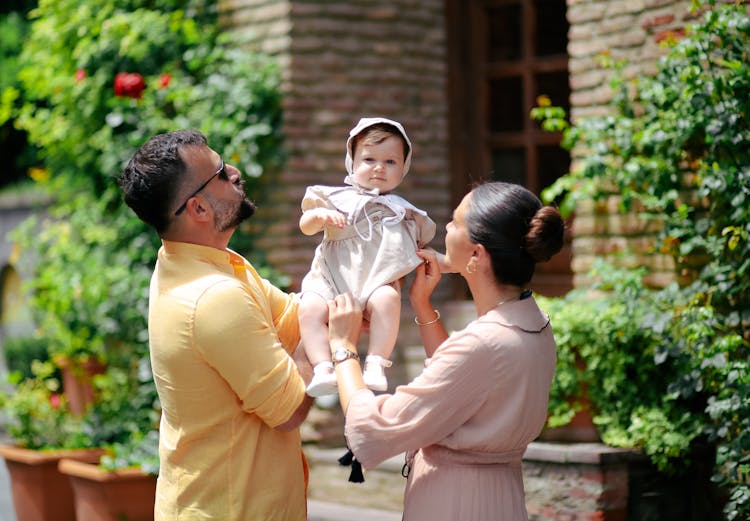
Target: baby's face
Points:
(379, 166)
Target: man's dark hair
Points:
(151, 180)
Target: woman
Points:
(466, 420)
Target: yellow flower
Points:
(40, 175)
(543, 101)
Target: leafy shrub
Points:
(127, 415)
(607, 344)
(20, 353)
(678, 144)
(97, 79)
(93, 257)
(14, 149)
(36, 414)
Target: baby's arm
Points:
(316, 219)
(444, 268)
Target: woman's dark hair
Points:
(515, 228)
(152, 178)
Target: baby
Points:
(370, 238)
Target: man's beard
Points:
(228, 216)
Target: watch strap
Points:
(342, 354)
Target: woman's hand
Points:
(344, 321)
(427, 277)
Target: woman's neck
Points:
(488, 294)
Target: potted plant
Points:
(608, 352)
(43, 431)
(63, 464)
(122, 485)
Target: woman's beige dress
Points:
(469, 416)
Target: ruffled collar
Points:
(522, 314)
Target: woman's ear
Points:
(480, 253)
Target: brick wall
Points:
(629, 30)
(342, 61)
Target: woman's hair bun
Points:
(545, 235)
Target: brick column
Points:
(342, 61)
(631, 31)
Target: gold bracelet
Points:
(437, 317)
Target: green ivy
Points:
(676, 148)
(91, 257)
(605, 346)
(93, 263)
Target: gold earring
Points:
(471, 266)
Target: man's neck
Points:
(212, 239)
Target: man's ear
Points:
(198, 209)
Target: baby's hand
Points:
(444, 268)
(327, 217)
(315, 220)
(432, 255)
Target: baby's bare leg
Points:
(384, 307)
(313, 326)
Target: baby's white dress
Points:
(376, 247)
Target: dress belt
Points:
(439, 454)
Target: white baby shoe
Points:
(373, 375)
(323, 381)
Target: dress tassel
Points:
(356, 475)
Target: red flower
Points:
(80, 75)
(164, 80)
(129, 85)
(55, 401)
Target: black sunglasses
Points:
(221, 172)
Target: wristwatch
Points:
(341, 354)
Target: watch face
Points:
(344, 354)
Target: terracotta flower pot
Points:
(101, 495)
(40, 492)
(581, 429)
(77, 381)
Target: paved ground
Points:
(6, 502)
(382, 489)
(322, 511)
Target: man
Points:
(221, 341)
